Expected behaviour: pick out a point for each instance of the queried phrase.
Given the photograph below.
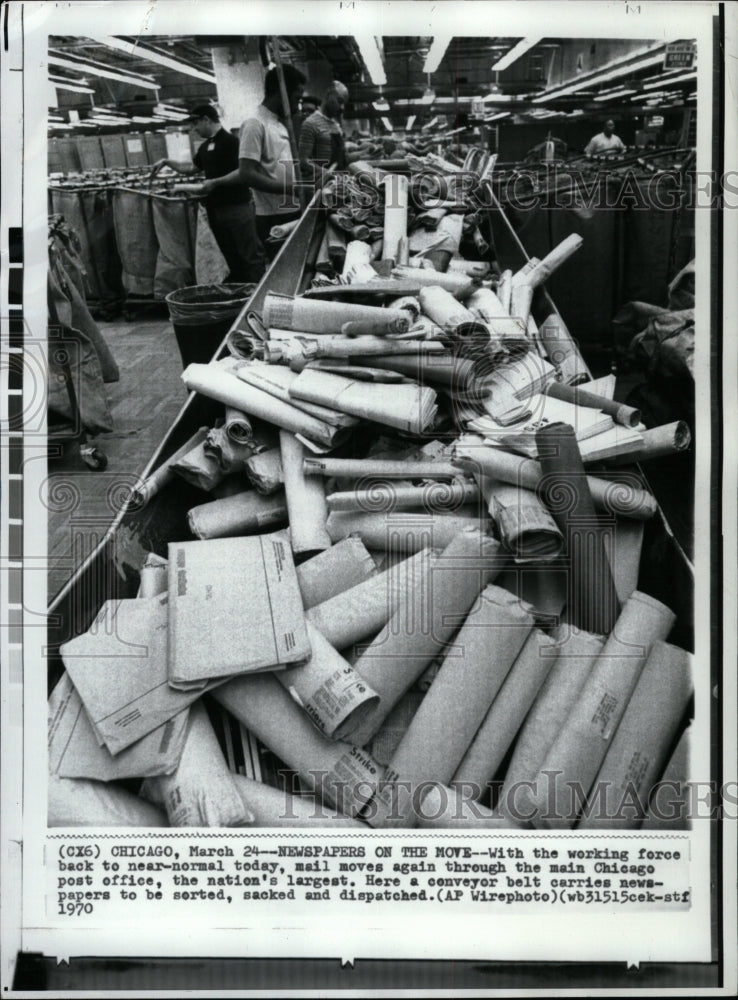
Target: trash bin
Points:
(202, 315)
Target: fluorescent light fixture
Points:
(380, 105)
(132, 79)
(497, 97)
(77, 88)
(370, 53)
(410, 122)
(431, 123)
(661, 82)
(650, 56)
(153, 55)
(387, 124)
(436, 53)
(614, 94)
(515, 53)
(429, 96)
(497, 117)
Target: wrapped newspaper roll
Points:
(577, 753)
(424, 620)
(79, 802)
(241, 514)
(200, 467)
(329, 689)
(361, 611)
(363, 468)
(526, 528)
(657, 443)
(444, 808)
(620, 413)
(460, 285)
(305, 496)
(402, 531)
(446, 311)
(395, 215)
(521, 301)
(593, 603)
(454, 374)
(334, 571)
(320, 316)
(639, 749)
(504, 289)
(277, 808)
(153, 576)
(625, 557)
(576, 655)
(625, 498)
(433, 497)
(277, 379)
(230, 455)
(357, 267)
(506, 713)
(553, 260)
(148, 488)
(670, 801)
(472, 673)
(486, 305)
(340, 772)
(562, 351)
(201, 792)
(264, 470)
(227, 388)
(472, 268)
(238, 426)
(407, 407)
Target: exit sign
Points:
(680, 55)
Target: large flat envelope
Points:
(119, 668)
(74, 751)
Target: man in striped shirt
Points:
(321, 136)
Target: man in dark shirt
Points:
(228, 201)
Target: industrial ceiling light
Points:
(387, 124)
(515, 53)
(133, 79)
(436, 53)
(76, 88)
(410, 122)
(380, 105)
(613, 95)
(153, 55)
(371, 54)
(660, 82)
(611, 71)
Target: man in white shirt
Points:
(265, 160)
(605, 141)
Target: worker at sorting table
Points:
(228, 201)
(265, 156)
(605, 141)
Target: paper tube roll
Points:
(472, 673)
(625, 558)
(521, 301)
(359, 613)
(305, 497)
(425, 618)
(553, 260)
(148, 488)
(335, 697)
(201, 791)
(472, 268)
(436, 497)
(361, 468)
(320, 316)
(576, 655)
(625, 498)
(227, 388)
(340, 772)
(443, 308)
(401, 531)
(580, 747)
(357, 267)
(657, 443)
(638, 751)
(264, 470)
(238, 426)
(153, 576)
(242, 514)
(526, 528)
(394, 727)
(79, 802)
(670, 800)
(593, 603)
(276, 380)
(395, 215)
(619, 412)
(506, 713)
(334, 571)
(486, 305)
(273, 807)
(562, 351)
(200, 467)
(460, 285)
(444, 808)
(454, 374)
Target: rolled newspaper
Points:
(446, 311)
(305, 496)
(201, 792)
(444, 808)
(621, 414)
(562, 351)
(638, 751)
(357, 267)
(402, 531)
(274, 807)
(625, 558)
(334, 571)
(240, 514)
(153, 576)
(521, 301)
(340, 772)
(471, 675)
(553, 260)
(425, 618)
(506, 713)
(238, 426)
(264, 470)
(361, 468)
(320, 316)
(432, 497)
(504, 290)
(200, 467)
(670, 800)
(149, 487)
(460, 285)
(657, 442)
(395, 215)
(576, 755)
(525, 526)
(79, 802)
(277, 379)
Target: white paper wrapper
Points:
(340, 772)
(446, 311)
(322, 316)
(305, 496)
(444, 808)
(562, 351)
(425, 618)
(149, 487)
(390, 733)
(395, 215)
(272, 807)
(264, 470)
(201, 792)
(380, 468)
(525, 525)
(241, 514)
(638, 751)
(276, 380)
(553, 260)
(231, 455)
(78, 802)
(402, 531)
(585, 737)
(357, 266)
(199, 467)
(670, 802)
(442, 730)
(334, 571)
(460, 285)
(504, 290)
(153, 576)
(433, 497)
(625, 557)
